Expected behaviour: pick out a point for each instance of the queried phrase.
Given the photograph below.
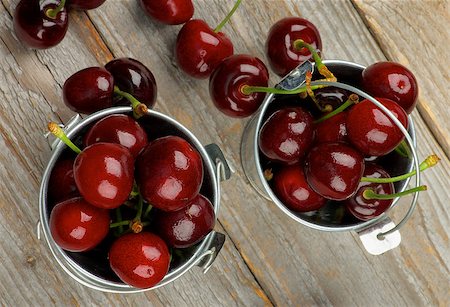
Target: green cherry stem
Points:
(370, 193)
(403, 150)
(140, 207)
(139, 109)
(119, 224)
(352, 99)
(51, 13)
(147, 211)
(59, 133)
(227, 18)
(119, 219)
(248, 89)
(430, 161)
(323, 70)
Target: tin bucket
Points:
(96, 273)
(377, 235)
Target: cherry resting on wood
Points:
(187, 226)
(293, 191)
(77, 226)
(366, 209)
(227, 80)
(199, 49)
(120, 129)
(334, 170)
(287, 135)
(170, 12)
(140, 259)
(38, 29)
(169, 172)
(282, 55)
(134, 78)
(89, 90)
(61, 184)
(393, 81)
(371, 131)
(103, 173)
(84, 4)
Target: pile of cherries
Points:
(138, 193)
(43, 24)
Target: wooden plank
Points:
(416, 34)
(294, 265)
(30, 96)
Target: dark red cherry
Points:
(61, 184)
(169, 173)
(334, 170)
(140, 259)
(135, 78)
(34, 27)
(279, 44)
(120, 129)
(84, 4)
(333, 129)
(332, 96)
(77, 226)
(227, 80)
(287, 135)
(89, 90)
(393, 81)
(293, 191)
(187, 226)
(103, 173)
(366, 209)
(170, 12)
(371, 131)
(199, 49)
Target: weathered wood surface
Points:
(268, 258)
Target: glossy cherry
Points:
(77, 226)
(120, 129)
(84, 4)
(287, 135)
(103, 173)
(334, 129)
(334, 170)
(366, 209)
(34, 27)
(199, 49)
(187, 226)
(393, 81)
(169, 172)
(140, 259)
(371, 131)
(293, 191)
(89, 90)
(228, 79)
(61, 184)
(135, 78)
(170, 12)
(282, 56)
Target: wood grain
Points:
(269, 258)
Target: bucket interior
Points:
(333, 216)
(95, 261)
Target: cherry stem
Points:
(147, 211)
(352, 99)
(323, 70)
(119, 224)
(227, 18)
(430, 161)
(370, 193)
(139, 210)
(268, 174)
(139, 109)
(59, 133)
(403, 149)
(119, 219)
(51, 13)
(248, 89)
